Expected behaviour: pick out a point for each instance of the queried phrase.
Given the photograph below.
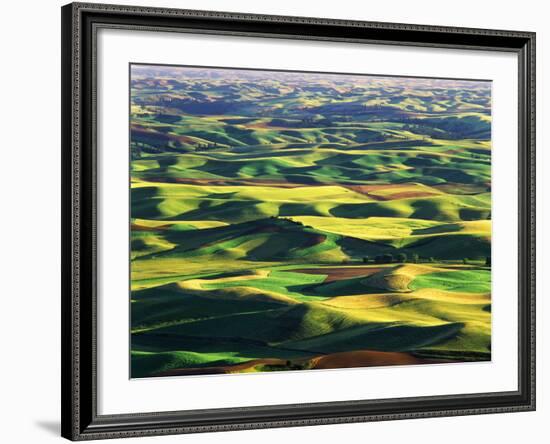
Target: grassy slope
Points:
(217, 270)
(434, 322)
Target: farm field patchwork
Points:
(300, 221)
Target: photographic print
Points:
(288, 220)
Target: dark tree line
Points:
(401, 258)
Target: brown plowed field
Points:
(364, 358)
(340, 273)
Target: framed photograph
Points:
(283, 221)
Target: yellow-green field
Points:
(291, 221)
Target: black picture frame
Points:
(80, 420)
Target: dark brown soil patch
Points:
(370, 188)
(367, 190)
(365, 358)
(350, 359)
(314, 239)
(222, 369)
(409, 194)
(338, 274)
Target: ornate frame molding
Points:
(80, 420)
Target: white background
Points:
(29, 99)
(118, 394)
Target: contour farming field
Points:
(288, 221)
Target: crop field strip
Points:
(291, 221)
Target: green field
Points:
(291, 221)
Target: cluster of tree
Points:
(136, 151)
(478, 156)
(401, 258)
(424, 130)
(388, 258)
(288, 219)
(317, 120)
(138, 148)
(176, 146)
(207, 146)
(466, 261)
(308, 120)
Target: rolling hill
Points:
(300, 221)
